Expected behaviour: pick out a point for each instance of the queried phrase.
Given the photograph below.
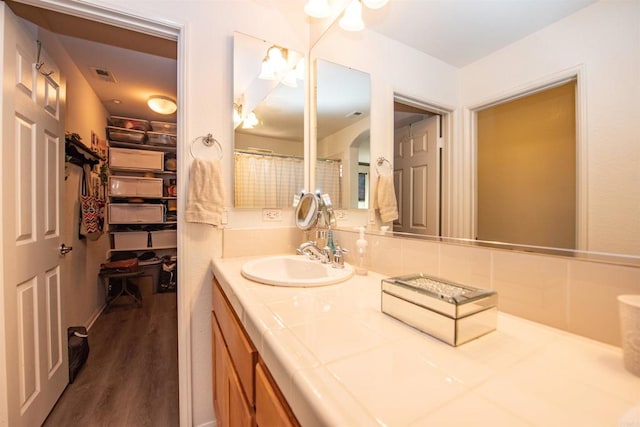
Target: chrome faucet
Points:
(311, 250)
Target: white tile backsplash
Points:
(577, 296)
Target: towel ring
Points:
(382, 162)
(207, 141)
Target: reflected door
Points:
(32, 170)
(416, 177)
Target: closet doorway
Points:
(125, 348)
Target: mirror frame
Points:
(306, 215)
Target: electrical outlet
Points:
(341, 214)
(271, 214)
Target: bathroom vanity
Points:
(328, 356)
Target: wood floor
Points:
(131, 376)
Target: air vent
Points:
(104, 75)
(354, 114)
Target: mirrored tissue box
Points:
(448, 311)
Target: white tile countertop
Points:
(340, 361)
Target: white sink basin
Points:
(294, 270)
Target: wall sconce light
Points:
(162, 104)
(375, 4)
(274, 64)
(237, 119)
(351, 18)
(248, 122)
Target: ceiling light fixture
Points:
(162, 104)
(317, 8)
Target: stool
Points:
(124, 288)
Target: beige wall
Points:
(601, 42)
(527, 170)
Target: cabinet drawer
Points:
(130, 186)
(271, 407)
(125, 158)
(131, 213)
(243, 354)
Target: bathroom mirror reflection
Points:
(462, 74)
(342, 104)
(269, 100)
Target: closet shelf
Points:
(164, 148)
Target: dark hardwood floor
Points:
(131, 376)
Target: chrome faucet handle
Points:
(327, 255)
(338, 257)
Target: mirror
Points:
(307, 212)
(462, 75)
(269, 99)
(342, 104)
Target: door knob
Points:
(64, 249)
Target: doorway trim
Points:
(444, 159)
(170, 31)
(471, 143)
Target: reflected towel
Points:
(205, 198)
(385, 198)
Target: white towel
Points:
(385, 198)
(205, 198)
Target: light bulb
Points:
(289, 79)
(375, 4)
(266, 71)
(317, 8)
(162, 104)
(352, 18)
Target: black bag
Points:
(78, 349)
(168, 275)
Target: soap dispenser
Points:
(361, 244)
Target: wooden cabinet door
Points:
(230, 405)
(240, 413)
(238, 344)
(271, 408)
(220, 381)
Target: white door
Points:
(32, 175)
(416, 177)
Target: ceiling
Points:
(460, 32)
(141, 65)
(456, 31)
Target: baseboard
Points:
(208, 424)
(95, 316)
